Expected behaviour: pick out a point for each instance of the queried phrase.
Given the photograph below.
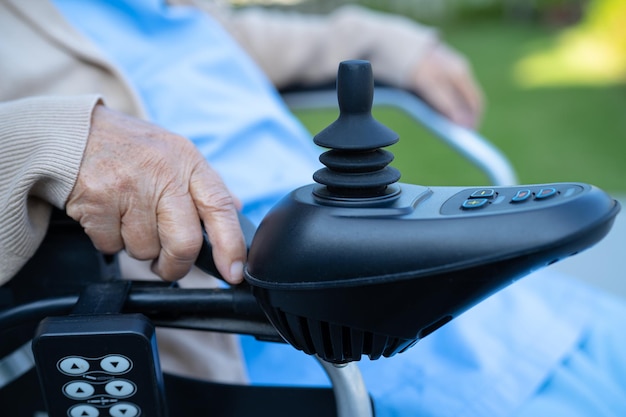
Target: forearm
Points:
(295, 48)
(42, 140)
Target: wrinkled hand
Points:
(144, 189)
(444, 79)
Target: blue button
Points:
(545, 193)
(485, 193)
(522, 195)
(474, 203)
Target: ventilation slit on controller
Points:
(347, 343)
(320, 337)
(305, 332)
(368, 340)
(281, 318)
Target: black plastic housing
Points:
(342, 279)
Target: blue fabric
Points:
(591, 380)
(196, 81)
(546, 346)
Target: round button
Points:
(124, 410)
(115, 364)
(78, 389)
(545, 193)
(485, 193)
(84, 411)
(474, 203)
(120, 388)
(521, 195)
(73, 365)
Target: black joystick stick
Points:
(356, 168)
(362, 265)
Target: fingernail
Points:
(236, 271)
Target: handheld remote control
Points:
(99, 366)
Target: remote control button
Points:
(522, 195)
(115, 364)
(545, 193)
(486, 193)
(474, 203)
(73, 365)
(124, 410)
(120, 388)
(78, 389)
(84, 411)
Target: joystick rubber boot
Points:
(356, 167)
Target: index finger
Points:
(217, 210)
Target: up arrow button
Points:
(73, 365)
(83, 410)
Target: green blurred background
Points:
(554, 77)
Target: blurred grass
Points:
(559, 133)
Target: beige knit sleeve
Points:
(42, 140)
(297, 48)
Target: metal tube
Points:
(351, 395)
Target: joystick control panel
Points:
(361, 264)
(489, 200)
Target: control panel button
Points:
(545, 193)
(115, 364)
(83, 410)
(78, 389)
(485, 193)
(521, 195)
(120, 388)
(124, 410)
(73, 365)
(474, 203)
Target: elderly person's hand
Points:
(146, 190)
(444, 79)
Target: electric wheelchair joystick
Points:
(360, 264)
(357, 168)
